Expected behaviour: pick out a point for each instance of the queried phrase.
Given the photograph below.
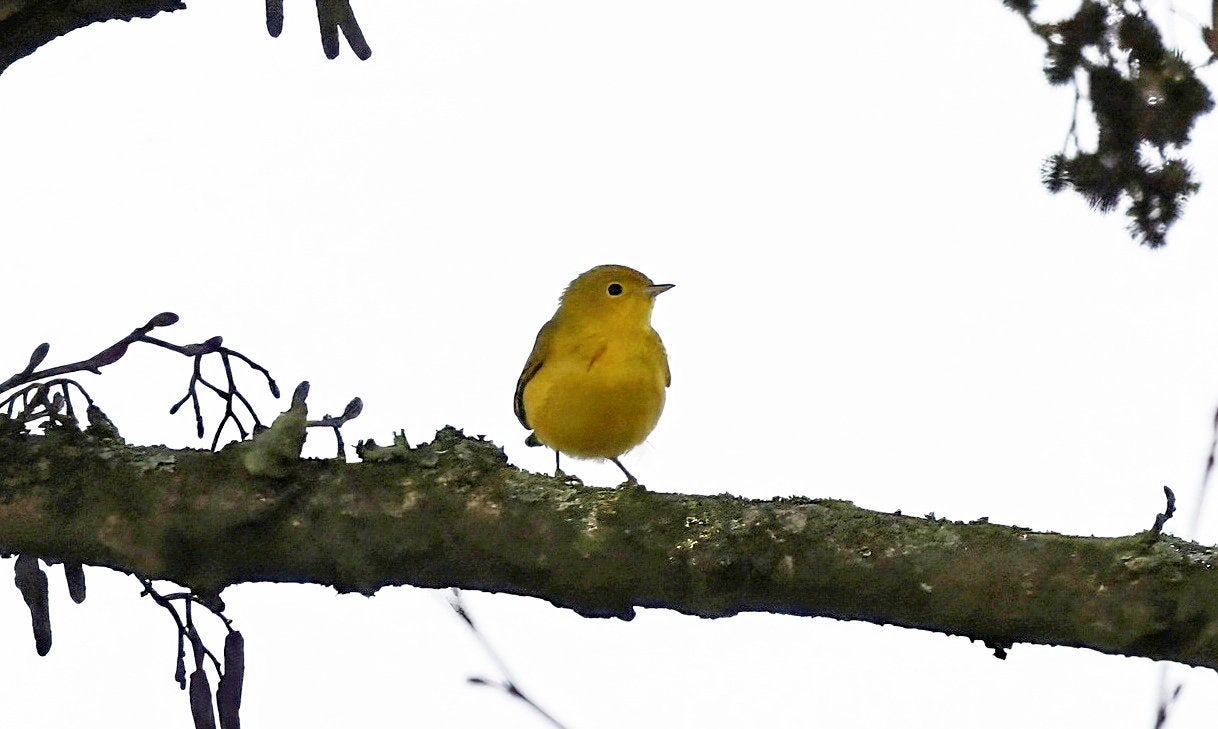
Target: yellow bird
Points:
(593, 386)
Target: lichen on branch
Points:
(454, 513)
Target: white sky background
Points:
(876, 300)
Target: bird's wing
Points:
(664, 356)
(536, 359)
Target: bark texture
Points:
(453, 512)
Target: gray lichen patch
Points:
(274, 452)
(453, 513)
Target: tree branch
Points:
(26, 25)
(454, 513)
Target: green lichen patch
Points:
(274, 452)
(453, 512)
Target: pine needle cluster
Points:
(1145, 99)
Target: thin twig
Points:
(351, 412)
(1166, 697)
(1161, 519)
(508, 684)
(1203, 491)
(186, 627)
(107, 356)
(36, 402)
(1072, 133)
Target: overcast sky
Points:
(875, 300)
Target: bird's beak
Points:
(657, 289)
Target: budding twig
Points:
(44, 398)
(352, 411)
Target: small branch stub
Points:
(1168, 512)
(274, 452)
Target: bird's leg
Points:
(630, 479)
(557, 468)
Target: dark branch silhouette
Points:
(40, 397)
(27, 25)
(44, 395)
(1145, 98)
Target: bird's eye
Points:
(615, 289)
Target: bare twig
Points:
(507, 684)
(351, 412)
(1167, 697)
(228, 394)
(35, 404)
(39, 398)
(1072, 134)
(107, 356)
(186, 626)
(1203, 491)
(1161, 519)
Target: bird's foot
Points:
(630, 479)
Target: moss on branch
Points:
(453, 512)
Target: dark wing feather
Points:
(664, 356)
(535, 361)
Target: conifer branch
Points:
(1145, 99)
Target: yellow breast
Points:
(600, 393)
